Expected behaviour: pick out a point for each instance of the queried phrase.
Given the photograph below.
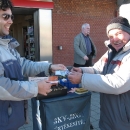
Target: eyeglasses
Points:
(7, 16)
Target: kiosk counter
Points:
(70, 112)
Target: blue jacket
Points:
(13, 90)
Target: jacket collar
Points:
(8, 40)
(4, 41)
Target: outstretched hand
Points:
(75, 77)
(76, 69)
(44, 87)
(55, 67)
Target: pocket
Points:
(4, 117)
(17, 117)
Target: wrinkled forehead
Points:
(115, 32)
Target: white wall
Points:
(124, 11)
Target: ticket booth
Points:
(32, 27)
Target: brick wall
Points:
(69, 15)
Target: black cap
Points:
(119, 23)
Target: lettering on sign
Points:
(68, 121)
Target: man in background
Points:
(84, 48)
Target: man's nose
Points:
(115, 38)
(10, 21)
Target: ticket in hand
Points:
(62, 72)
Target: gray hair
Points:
(84, 25)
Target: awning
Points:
(47, 4)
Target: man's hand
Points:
(55, 67)
(86, 58)
(44, 87)
(75, 77)
(76, 69)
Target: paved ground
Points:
(95, 110)
(30, 125)
(95, 113)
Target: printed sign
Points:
(73, 120)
